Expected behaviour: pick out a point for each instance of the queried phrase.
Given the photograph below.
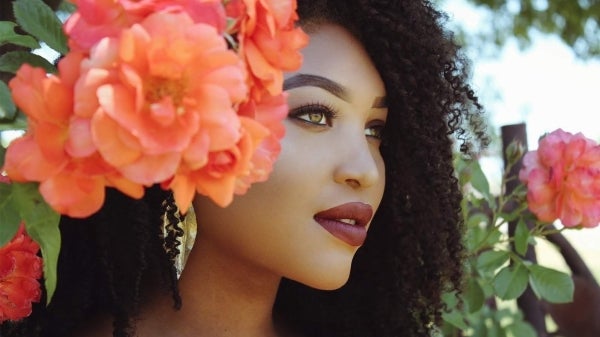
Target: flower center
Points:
(159, 88)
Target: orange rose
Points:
(270, 43)
(218, 178)
(161, 96)
(270, 113)
(57, 150)
(97, 19)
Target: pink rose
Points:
(563, 179)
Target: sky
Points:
(544, 86)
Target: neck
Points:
(222, 297)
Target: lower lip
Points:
(350, 234)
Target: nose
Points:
(358, 164)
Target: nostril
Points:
(353, 183)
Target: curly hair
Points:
(413, 252)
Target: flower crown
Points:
(182, 93)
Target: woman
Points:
(367, 150)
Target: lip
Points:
(354, 235)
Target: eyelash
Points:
(324, 110)
(329, 114)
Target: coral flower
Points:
(97, 19)
(270, 43)
(20, 269)
(57, 150)
(217, 179)
(563, 179)
(270, 112)
(161, 95)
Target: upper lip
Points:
(358, 211)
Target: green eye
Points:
(315, 117)
(374, 131)
(314, 114)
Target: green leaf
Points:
(42, 226)
(455, 318)
(551, 285)
(511, 281)
(67, 7)
(2, 155)
(11, 61)
(9, 215)
(492, 259)
(39, 20)
(474, 295)
(521, 237)
(450, 299)
(476, 219)
(18, 123)
(7, 106)
(480, 182)
(41, 223)
(8, 36)
(521, 329)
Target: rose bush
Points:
(556, 183)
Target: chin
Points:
(329, 276)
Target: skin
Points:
(242, 251)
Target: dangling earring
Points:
(179, 233)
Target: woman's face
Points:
(307, 221)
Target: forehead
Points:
(334, 53)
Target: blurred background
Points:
(535, 62)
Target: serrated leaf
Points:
(492, 259)
(521, 237)
(11, 61)
(39, 20)
(7, 106)
(551, 285)
(511, 281)
(9, 36)
(9, 215)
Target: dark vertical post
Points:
(528, 302)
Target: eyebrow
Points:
(302, 80)
(338, 90)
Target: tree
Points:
(575, 22)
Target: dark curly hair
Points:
(413, 252)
